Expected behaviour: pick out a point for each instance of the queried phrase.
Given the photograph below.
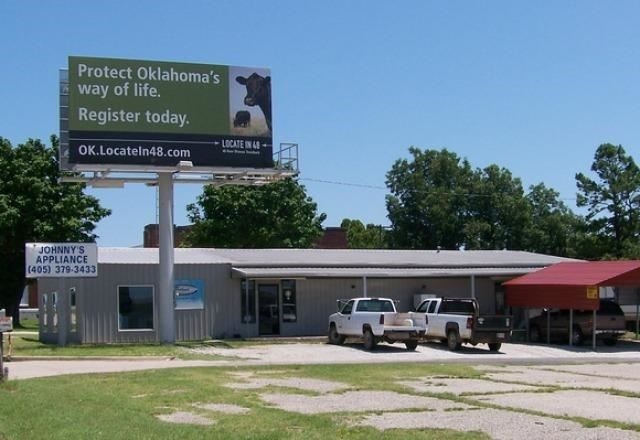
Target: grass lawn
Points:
(125, 405)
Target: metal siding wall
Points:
(101, 312)
(194, 325)
(316, 299)
(223, 304)
(486, 295)
(221, 318)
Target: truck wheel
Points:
(576, 336)
(494, 346)
(369, 340)
(534, 333)
(411, 345)
(335, 337)
(452, 340)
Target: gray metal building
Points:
(223, 293)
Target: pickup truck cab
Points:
(374, 320)
(457, 321)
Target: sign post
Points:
(6, 325)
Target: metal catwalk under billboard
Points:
(156, 113)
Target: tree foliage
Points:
(613, 201)
(554, 229)
(497, 211)
(35, 207)
(277, 215)
(428, 203)
(360, 236)
(438, 201)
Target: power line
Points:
(384, 188)
(333, 182)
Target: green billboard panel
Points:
(158, 113)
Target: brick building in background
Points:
(152, 240)
(333, 238)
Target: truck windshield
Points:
(375, 305)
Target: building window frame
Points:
(248, 296)
(289, 300)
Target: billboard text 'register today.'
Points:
(157, 114)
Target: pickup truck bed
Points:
(457, 321)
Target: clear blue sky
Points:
(531, 86)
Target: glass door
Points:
(268, 309)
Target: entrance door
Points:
(268, 309)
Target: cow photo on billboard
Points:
(251, 101)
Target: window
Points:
(348, 307)
(422, 308)
(289, 301)
(72, 309)
(248, 297)
(135, 307)
(432, 306)
(45, 313)
(457, 307)
(54, 313)
(375, 305)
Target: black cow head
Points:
(258, 89)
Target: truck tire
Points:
(534, 333)
(610, 341)
(452, 340)
(494, 346)
(411, 345)
(335, 338)
(577, 338)
(369, 340)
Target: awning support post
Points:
(637, 313)
(548, 326)
(593, 338)
(570, 327)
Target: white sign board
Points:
(6, 324)
(57, 260)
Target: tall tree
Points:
(36, 207)
(360, 236)
(613, 201)
(554, 228)
(428, 202)
(279, 214)
(498, 212)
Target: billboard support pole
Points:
(166, 315)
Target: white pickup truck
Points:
(457, 320)
(375, 320)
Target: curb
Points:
(90, 358)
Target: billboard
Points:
(158, 114)
(61, 260)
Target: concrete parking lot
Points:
(322, 353)
(526, 390)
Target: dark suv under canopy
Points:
(610, 324)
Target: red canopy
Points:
(570, 285)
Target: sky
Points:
(534, 87)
